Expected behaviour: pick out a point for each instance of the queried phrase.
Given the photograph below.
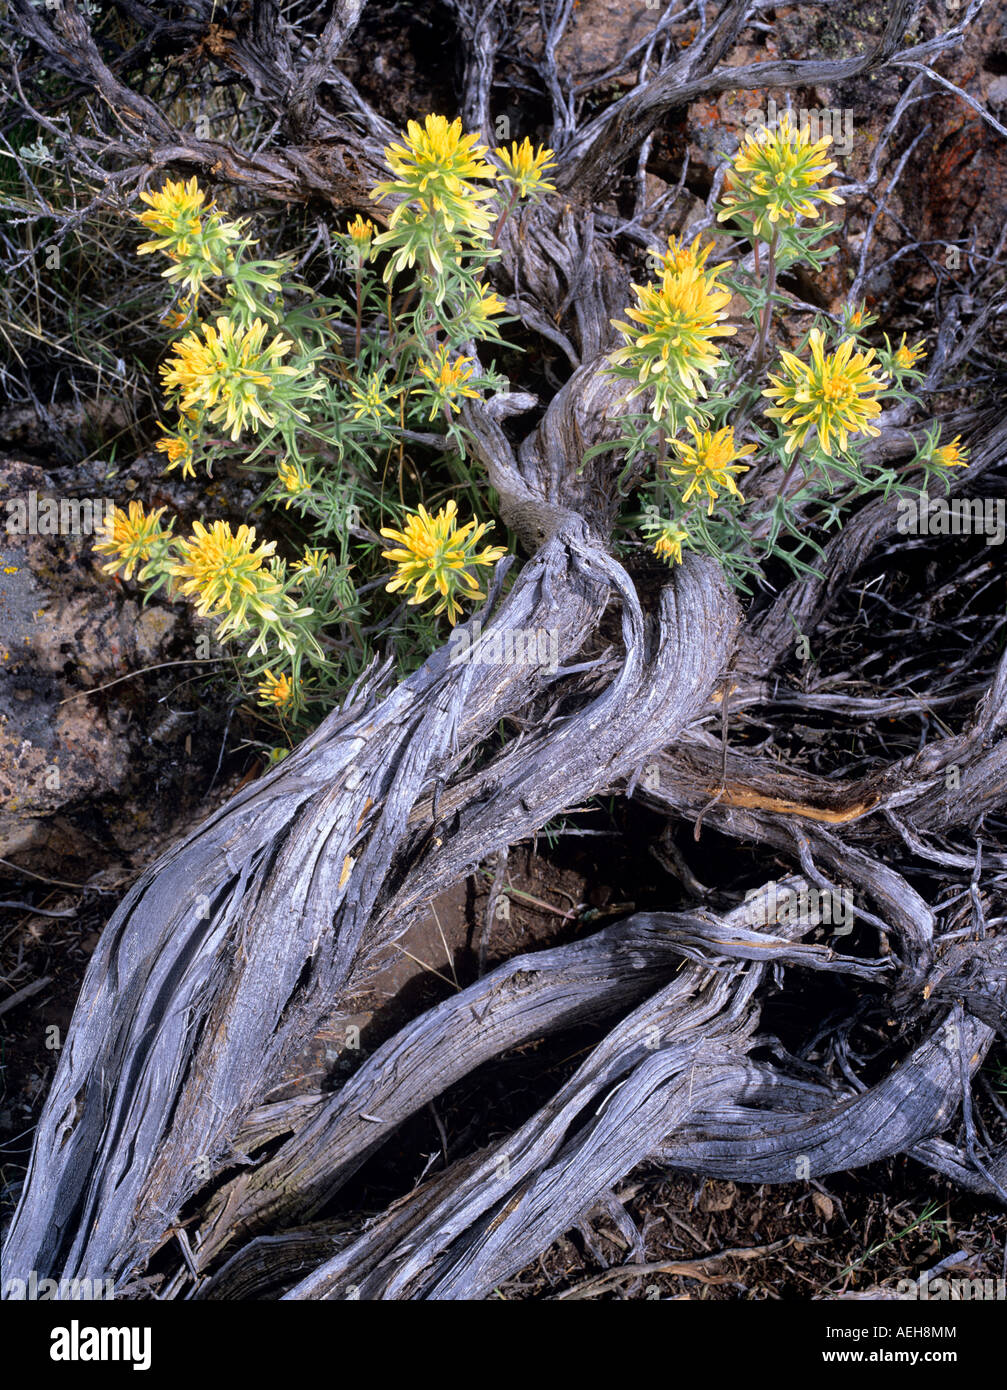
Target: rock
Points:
(75, 770)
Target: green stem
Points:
(767, 311)
(359, 315)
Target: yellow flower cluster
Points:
(681, 314)
(952, 455)
(229, 373)
(709, 462)
(132, 538)
(446, 381)
(434, 556)
(196, 239)
(775, 176)
(668, 546)
(525, 167)
(275, 691)
(434, 167)
(833, 394)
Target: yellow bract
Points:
(435, 166)
(174, 212)
(681, 314)
(131, 538)
(775, 174)
(361, 230)
(709, 462)
(833, 394)
(668, 545)
(293, 478)
(179, 452)
(372, 398)
(227, 372)
(446, 381)
(525, 167)
(906, 357)
(952, 455)
(224, 573)
(434, 556)
(275, 690)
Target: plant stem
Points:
(767, 311)
(511, 204)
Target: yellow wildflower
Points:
(228, 372)
(178, 450)
(224, 572)
(483, 308)
(131, 538)
(952, 455)
(174, 213)
(434, 167)
(775, 174)
(311, 564)
(829, 394)
(668, 545)
(680, 259)
(709, 462)
(904, 358)
(681, 315)
(360, 231)
(446, 381)
(435, 556)
(372, 398)
(525, 167)
(275, 690)
(293, 478)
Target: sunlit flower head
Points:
(275, 691)
(668, 544)
(855, 318)
(196, 239)
(525, 167)
(173, 213)
(220, 570)
(292, 479)
(775, 176)
(132, 538)
(951, 455)
(833, 394)
(230, 373)
(371, 398)
(680, 259)
(434, 167)
(178, 449)
(434, 557)
(709, 462)
(311, 564)
(483, 308)
(905, 356)
(446, 381)
(681, 315)
(360, 231)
